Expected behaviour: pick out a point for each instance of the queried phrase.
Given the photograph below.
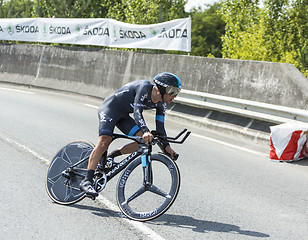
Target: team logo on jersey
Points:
(142, 123)
(104, 118)
(144, 97)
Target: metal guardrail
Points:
(251, 109)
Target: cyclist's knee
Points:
(103, 142)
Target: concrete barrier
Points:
(97, 72)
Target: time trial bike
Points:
(146, 188)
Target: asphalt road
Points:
(229, 188)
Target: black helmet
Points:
(168, 83)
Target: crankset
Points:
(100, 182)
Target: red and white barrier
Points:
(288, 142)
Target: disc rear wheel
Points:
(62, 180)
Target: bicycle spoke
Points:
(158, 191)
(71, 187)
(151, 200)
(55, 178)
(136, 194)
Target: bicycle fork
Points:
(147, 169)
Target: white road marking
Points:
(229, 145)
(23, 147)
(139, 226)
(16, 90)
(90, 105)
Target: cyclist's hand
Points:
(147, 137)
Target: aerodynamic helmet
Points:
(168, 83)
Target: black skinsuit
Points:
(133, 97)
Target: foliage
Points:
(239, 28)
(16, 8)
(61, 8)
(130, 11)
(206, 31)
(278, 32)
(153, 11)
(106, 9)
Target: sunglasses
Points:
(173, 91)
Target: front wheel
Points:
(142, 202)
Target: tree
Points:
(207, 28)
(153, 11)
(62, 8)
(106, 9)
(297, 35)
(276, 33)
(3, 9)
(275, 23)
(16, 9)
(130, 11)
(241, 18)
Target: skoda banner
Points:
(172, 35)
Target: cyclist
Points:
(133, 97)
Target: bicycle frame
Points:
(144, 151)
(121, 165)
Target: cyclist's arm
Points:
(160, 128)
(160, 122)
(141, 92)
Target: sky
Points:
(195, 3)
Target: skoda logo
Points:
(45, 30)
(153, 32)
(78, 30)
(10, 29)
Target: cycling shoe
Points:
(87, 187)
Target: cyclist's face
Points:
(168, 98)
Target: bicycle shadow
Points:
(178, 221)
(100, 212)
(203, 226)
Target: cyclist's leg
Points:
(102, 145)
(86, 185)
(131, 147)
(107, 121)
(129, 127)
